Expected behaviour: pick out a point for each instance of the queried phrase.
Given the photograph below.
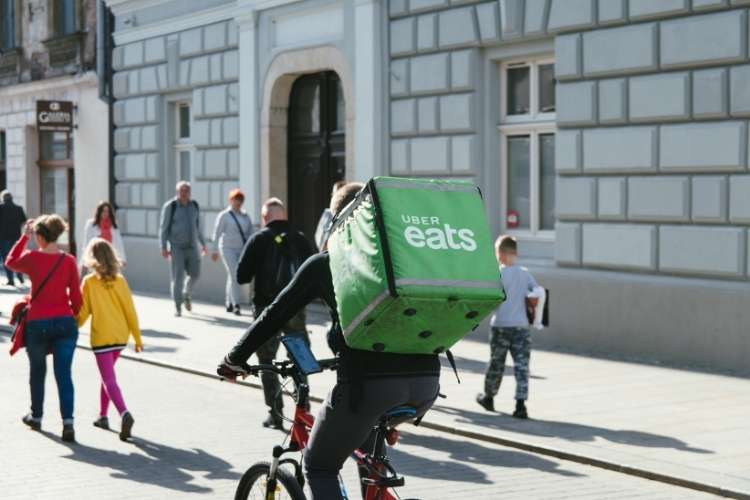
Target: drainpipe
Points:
(104, 45)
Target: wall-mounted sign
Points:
(54, 116)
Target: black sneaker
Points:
(237, 310)
(230, 308)
(273, 422)
(68, 434)
(486, 402)
(102, 423)
(33, 423)
(188, 304)
(521, 410)
(126, 426)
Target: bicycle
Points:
(271, 481)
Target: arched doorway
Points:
(316, 146)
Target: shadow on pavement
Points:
(162, 335)
(219, 321)
(477, 366)
(566, 430)
(158, 464)
(151, 349)
(461, 456)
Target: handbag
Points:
(21, 310)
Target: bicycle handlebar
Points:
(288, 368)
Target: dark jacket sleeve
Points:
(21, 216)
(302, 290)
(251, 255)
(304, 247)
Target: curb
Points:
(510, 443)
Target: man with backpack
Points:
(179, 233)
(368, 383)
(272, 256)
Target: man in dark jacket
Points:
(272, 256)
(12, 218)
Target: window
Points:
(183, 142)
(527, 141)
(65, 17)
(183, 121)
(56, 174)
(7, 24)
(56, 147)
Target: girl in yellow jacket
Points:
(107, 299)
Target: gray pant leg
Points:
(177, 270)
(193, 270)
(338, 430)
(231, 257)
(269, 380)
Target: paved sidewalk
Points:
(194, 437)
(678, 423)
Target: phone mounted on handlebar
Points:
(300, 353)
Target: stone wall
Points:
(652, 142)
(200, 64)
(653, 103)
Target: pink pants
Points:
(110, 390)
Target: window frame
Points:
(56, 21)
(183, 144)
(533, 125)
(533, 64)
(16, 27)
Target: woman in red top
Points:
(51, 325)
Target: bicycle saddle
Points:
(399, 413)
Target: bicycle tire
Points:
(262, 469)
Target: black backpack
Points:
(173, 209)
(282, 264)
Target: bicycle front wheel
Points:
(254, 485)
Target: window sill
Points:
(540, 236)
(70, 37)
(9, 59)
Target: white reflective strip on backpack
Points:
(365, 312)
(448, 283)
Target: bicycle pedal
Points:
(390, 482)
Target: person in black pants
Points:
(368, 383)
(272, 256)
(12, 218)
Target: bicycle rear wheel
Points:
(255, 480)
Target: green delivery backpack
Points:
(413, 265)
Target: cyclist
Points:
(368, 383)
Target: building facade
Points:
(609, 136)
(48, 53)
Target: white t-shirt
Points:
(517, 282)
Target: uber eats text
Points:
(431, 233)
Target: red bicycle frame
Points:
(300, 435)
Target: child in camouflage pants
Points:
(510, 329)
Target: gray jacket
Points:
(226, 230)
(180, 226)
